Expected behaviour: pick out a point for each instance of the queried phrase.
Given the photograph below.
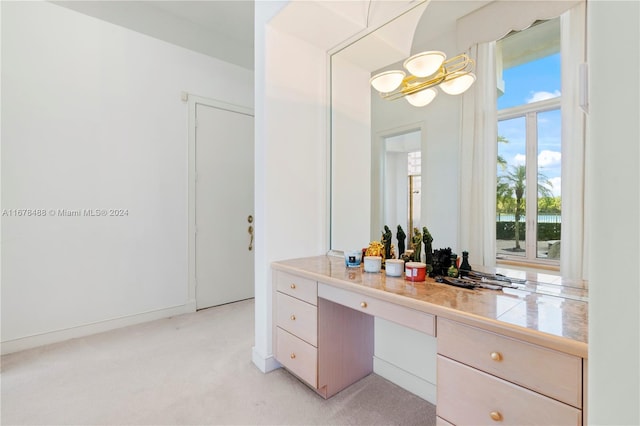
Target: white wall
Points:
(613, 132)
(406, 357)
(290, 161)
(350, 156)
(92, 119)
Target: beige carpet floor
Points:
(189, 369)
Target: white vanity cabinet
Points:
(487, 378)
(296, 318)
(490, 368)
(326, 345)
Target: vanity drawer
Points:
(298, 287)
(297, 317)
(467, 396)
(297, 356)
(399, 314)
(543, 370)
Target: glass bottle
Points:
(464, 266)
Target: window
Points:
(528, 216)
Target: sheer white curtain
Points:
(573, 247)
(477, 33)
(478, 153)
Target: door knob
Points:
(250, 231)
(250, 219)
(496, 416)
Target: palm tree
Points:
(501, 161)
(513, 184)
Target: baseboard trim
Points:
(414, 384)
(264, 364)
(29, 342)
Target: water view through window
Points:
(528, 217)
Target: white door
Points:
(224, 161)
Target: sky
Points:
(526, 83)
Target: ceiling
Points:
(224, 28)
(233, 18)
(418, 30)
(219, 28)
(440, 17)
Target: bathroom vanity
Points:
(516, 356)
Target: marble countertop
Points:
(544, 309)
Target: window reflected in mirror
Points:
(529, 142)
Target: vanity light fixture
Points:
(427, 71)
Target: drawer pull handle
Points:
(293, 317)
(363, 304)
(496, 356)
(293, 286)
(496, 416)
(292, 356)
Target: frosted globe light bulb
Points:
(387, 81)
(458, 84)
(425, 64)
(422, 98)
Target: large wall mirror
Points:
(392, 163)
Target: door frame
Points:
(193, 101)
(378, 155)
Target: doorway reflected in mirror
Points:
(403, 179)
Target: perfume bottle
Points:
(464, 266)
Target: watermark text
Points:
(65, 212)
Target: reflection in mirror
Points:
(361, 119)
(456, 186)
(401, 175)
(355, 198)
